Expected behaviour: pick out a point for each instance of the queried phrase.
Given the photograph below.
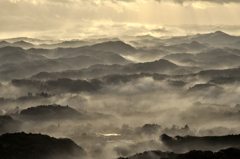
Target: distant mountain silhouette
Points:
(26, 39)
(116, 78)
(220, 56)
(143, 40)
(68, 54)
(193, 46)
(211, 54)
(159, 66)
(115, 46)
(40, 51)
(65, 44)
(80, 61)
(224, 80)
(217, 38)
(236, 44)
(22, 44)
(174, 48)
(49, 75)
(228, 60)
(179, 56)
(9, 49)
(4, 43)
(149, 54)
(155, 66)
(48, 112)
(210, 59)
(105, 57)
(235, 72)
(29, 68)
(60, 85)
(147, 36)
(205, 87)
(19, 57)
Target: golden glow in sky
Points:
(74, 18)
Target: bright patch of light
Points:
(108, 135)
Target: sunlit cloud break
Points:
(211, 1)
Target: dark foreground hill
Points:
(37, 146)
(230, 153)
(8, 124)
(187, 143)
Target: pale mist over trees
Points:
(119, 79)
(177, 98)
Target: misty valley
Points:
(126, 97)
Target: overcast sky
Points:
(82, 18)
